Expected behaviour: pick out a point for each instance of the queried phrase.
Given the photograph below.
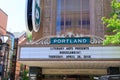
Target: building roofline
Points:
(3, 12)
(9, 33)
(22, 34)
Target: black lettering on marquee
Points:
(81, 48)
(87, 56)
(55, 56)
(70, 52)
(70, 57)
(56, 48)
(69, 48)
(78, 56)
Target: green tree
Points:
(113, 23)
(29, 36)
(24, 75)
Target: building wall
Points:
(16, 64)
(3, 26)
(17, 71)
(3, 22)
(22, 39)
(10, 41)
(98, 9)
(107, 10)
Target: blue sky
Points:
(15, 9)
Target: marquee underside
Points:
(92, 67)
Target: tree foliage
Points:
(113, 23)
(29, 36)
(24, 75)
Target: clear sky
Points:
(15, 9)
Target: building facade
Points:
(4, 47)
(17, 67)
(59, 17)
(68, 43)
(10, 41)
(3, 22)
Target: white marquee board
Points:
(69, 53)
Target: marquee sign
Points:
(80, 40)
(69, 53)
(64, 39)
(33, 12)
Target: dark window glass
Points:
(62, 23)
(84, 22)
(68, 23)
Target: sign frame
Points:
(33, 15)
(36, 15)
(69, 53)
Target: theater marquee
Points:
(69, 53)
(80, 40)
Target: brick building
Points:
(3, 47)
(92, 13)
(3, 22)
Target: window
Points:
(84, 22)
(1, 68)
(68, 23)
(73, 16)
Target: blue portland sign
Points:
(81, 40)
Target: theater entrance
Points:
(66, 77)
(37, 73)
(63, 77)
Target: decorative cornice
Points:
(46, 40)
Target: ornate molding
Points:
(46, 40)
